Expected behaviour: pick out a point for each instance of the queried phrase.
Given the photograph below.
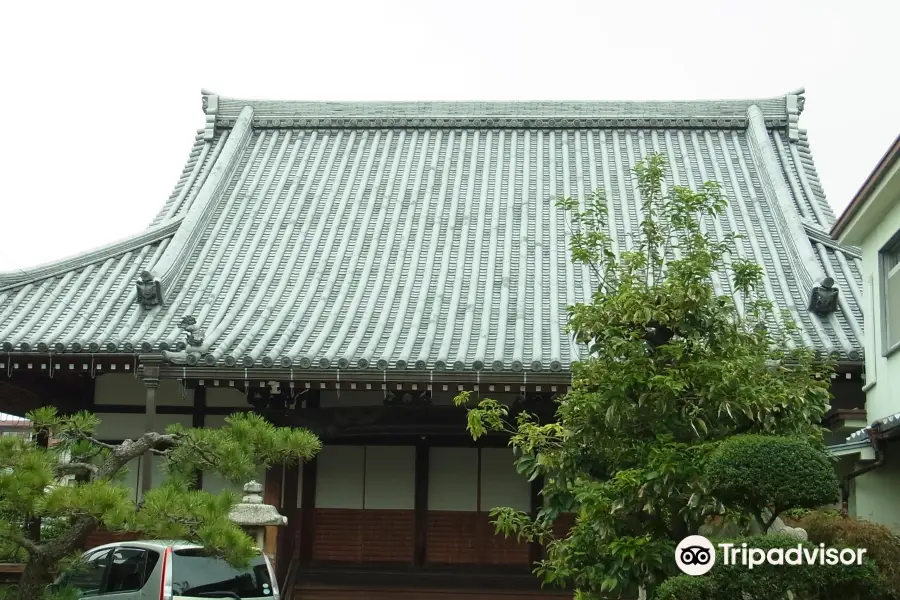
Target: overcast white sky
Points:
(100, 101)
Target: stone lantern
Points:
(254, 516)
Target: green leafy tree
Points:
(31, 488)
(673, 369)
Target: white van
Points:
(167, 570)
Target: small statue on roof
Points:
(192, 331)
(149, 291)
(823, 300)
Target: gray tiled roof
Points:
(425, 235)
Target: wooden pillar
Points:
(289, 500)
(33, 527)
(308, 497)
(272, 492)
(151, 383)
(421, 504)
(536, 549)
(198, 420)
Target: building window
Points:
(890, 295)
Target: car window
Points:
(87, 577)
(198, 575)
(126, 570)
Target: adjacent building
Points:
(350, 267)
(872, 222)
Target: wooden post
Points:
(308, 497)
(151, 383)
(536, 550)
(272, 493)
(198, 420)
(421, 504)
(33, 528)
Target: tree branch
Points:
(20, 540)
(75, 468)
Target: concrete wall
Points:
(873, 496)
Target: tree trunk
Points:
(35, 578)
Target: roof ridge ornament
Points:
(823, 298)
(210, 108)
(795, 102)
(149, 291)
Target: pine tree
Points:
(34, 486)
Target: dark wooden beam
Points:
(24, 391)
(198, 421)
(374, 376)
(131, 409)
(33, 527)
(308, 497)
(421, 503)
(536, 550)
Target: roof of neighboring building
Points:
(426, 235)
(884, 165)
(888, 423)
(8, 421)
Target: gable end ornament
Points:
(823, 298)
(795, 102)
(149, 291)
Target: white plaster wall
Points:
(882, 399)
(874, 495)
(501, 485)
(453, 479)
(129, 426)
(390, 477)
(372, 477)
(340, 477)
(125, 388)
(224, 396)
(114, 426)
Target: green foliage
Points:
(776, 582)
(674, 367)
(31, 485)
(881, 544)
(755, 473)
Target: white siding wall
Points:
(882, 399)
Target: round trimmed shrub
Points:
(685, 587)
(755, 472)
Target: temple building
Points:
(350, 267)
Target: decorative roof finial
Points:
(795, 103)
(192, 331)
(823, 299)
(149, 291)
(210, 108)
